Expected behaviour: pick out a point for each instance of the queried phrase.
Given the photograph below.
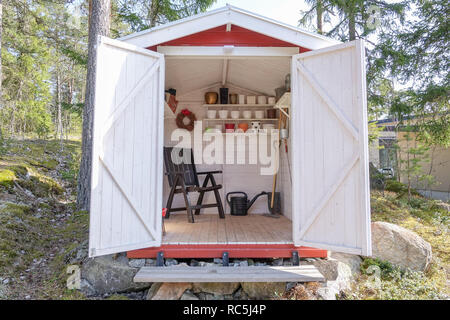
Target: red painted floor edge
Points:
(234, 251)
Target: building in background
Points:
(389, 150)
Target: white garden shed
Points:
(323, 178)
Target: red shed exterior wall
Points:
(238, 37)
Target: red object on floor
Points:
(234, 251)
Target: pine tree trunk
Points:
(351, 26)
(99, 23)
(319, 14)
(59, 126)
(153, 14)
(1, 75)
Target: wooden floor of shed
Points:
(210, 229)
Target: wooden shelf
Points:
(242, 119)
(240, 105)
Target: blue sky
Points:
(287, 11)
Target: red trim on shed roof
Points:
(238, 36)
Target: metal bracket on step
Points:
(295, 258)
(160, 259)
(225, 259)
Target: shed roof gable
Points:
(228, 15)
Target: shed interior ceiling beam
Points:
(180, 96)
(222, 52)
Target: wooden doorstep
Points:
(304, 273)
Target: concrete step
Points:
(304, 273)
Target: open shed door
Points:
(330, 150)
(127, 167)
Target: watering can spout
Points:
(254, 199)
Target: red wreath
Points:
(185, 113)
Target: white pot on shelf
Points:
(259, 114)
(251, 99)
(223, 114)
(262, 100)
(235, 114)
(211, 114)
(247, 114)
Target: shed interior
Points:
(192, 77)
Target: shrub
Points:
(396, 186)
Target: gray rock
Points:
(218, 261)
(109, 274)
(209, 264)
(150, 262)
(240, 295)
(3, 292)
(210, 296)
(171, 262)
(400, 246)
(194, 263)
(182, 264)
(352, 260)
(443, 205)
(243, 263)
(168, 291)
(290, 285)
(219, 288)
(187, 295)
(338, 275)
(136, 263)
(153, 289)
(263, 290)
(87, 288)
(78, 254)
(277, 262)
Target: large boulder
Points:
(400, 246)
(109, 274)
(263, 290)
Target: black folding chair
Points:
(183, 178)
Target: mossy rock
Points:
(41, 186)
(19, 230)
(7, 178)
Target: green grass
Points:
(37, 188)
